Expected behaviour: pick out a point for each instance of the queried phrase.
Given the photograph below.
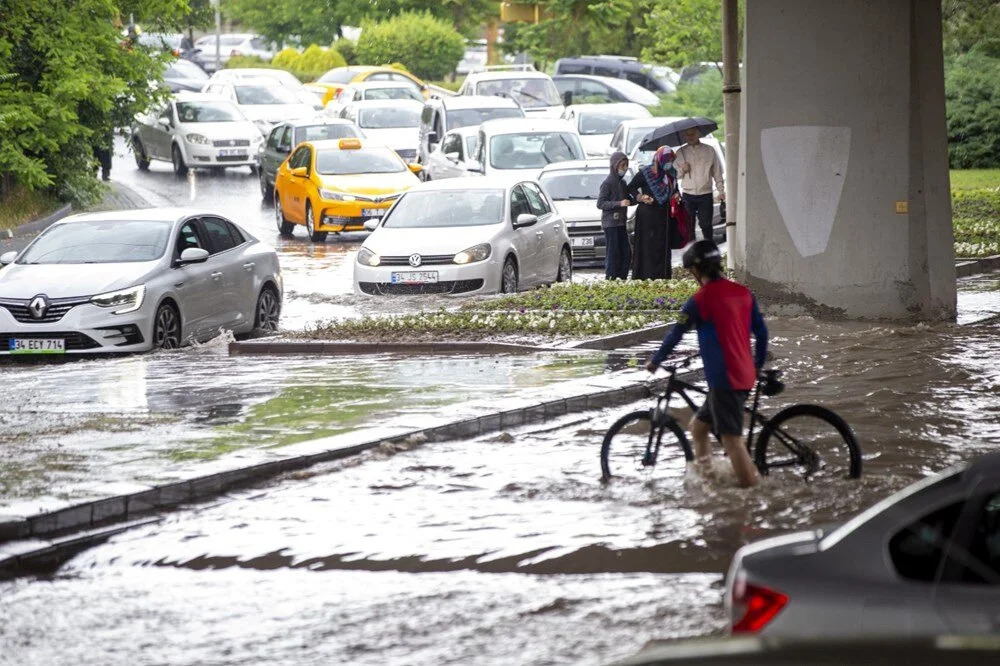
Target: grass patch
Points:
(604, 295)
(21, 205)
(974, 179)
(976, 220)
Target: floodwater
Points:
(504, 549)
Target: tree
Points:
(683, 32)
(302, 21)
(968, 23)
(972, 98)
(467, 16)
(427, 46)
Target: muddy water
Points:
(504, 549)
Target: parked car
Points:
(123, 281)
(338, 185)
(233, 44)
(283, 77)
(159, 42)
(373, 90)
(444, 114)
(334, 80)
(534, 91)
(518, 148)
(596, 123)
(474, 57)
(289, 134)
(583, 89)
(195, 130)
(459, 236)
(655, 78)
(392, 123)
(453, 156)
(630, 132)
(925, 561)
(263, 100)
(184, 75)
(573, 188)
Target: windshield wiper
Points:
(578, 198)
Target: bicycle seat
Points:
(770, 384)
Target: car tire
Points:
(180, 168)
(167, 327)
(565, 272)
(314, 236)
(266, 189)
(285, 228)
(508, 277)
(141, 160)
(267, 313)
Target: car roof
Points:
(655, 121)
(612, 106)
(512, 125)
(478, 183)
(255, 81)
(165, 214)
(327, 144)
(365, 85)
(502, 74)
(575, 165)
(478, 102)
(317, 120)
(382, 103)
(192, 96)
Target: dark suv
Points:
(655, 78)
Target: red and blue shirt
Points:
(725, 313)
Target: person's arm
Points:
(681, 163)
(638, 183)
(720, 180)
(759, 329)
(604, 200)
(687, 319)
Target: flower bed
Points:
(976, 219)
(603, 295)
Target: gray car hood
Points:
(71, 280)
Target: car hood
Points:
(230, 130)
(398, 138)
(71, 280)
(422, 240)
(276, 113)
(371, 183)
(595, 144)
(579, 210)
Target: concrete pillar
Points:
(844, 203)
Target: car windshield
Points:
(208, 112)
(394, 93)
(321, 132)
(469, 117)
(185, 69)
(530, 93)
(272, 94)
(533, 150)
(596, 122)
(99, 242)
(573, 185)
(337, 162)
(447, 208)
(337, 76)
(635, 136)
(388, 117)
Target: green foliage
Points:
(683, 32)
(972, 93)
(603, 295)
(969, 24)
(702, 97)
(429, 47)
(307, 21)
(241, 61)
(467, 16)
(348, 49)
(21, 205)
(449, 85)
(285, 59)
(975, 179)
(976, 219)
(315, 61)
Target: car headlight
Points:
(197, 138)
(127, 300)
(476, 253)
(368, 258)
(330, 195)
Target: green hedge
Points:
(976, 219)
(307, 66)
(972, 93)
(427, 46)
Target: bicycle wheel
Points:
(812, 439)
(623, 451)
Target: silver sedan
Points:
(136, 280)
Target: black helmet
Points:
(704, 254)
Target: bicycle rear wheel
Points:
(811, 439)
(625, 446)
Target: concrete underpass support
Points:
(844, 205)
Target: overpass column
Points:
(844, 203)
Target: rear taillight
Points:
(759, 605)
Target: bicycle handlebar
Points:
(681, 363)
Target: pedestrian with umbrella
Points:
(653, 187)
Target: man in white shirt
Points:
(698, 164)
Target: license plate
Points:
(373, 212)
(415, 277)
(582, 241)
(232, 152)
(40, 346)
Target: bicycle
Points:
(812, 437)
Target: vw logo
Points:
(415, 260)
(38, 306)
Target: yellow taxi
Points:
(338, 185)
(334, 81)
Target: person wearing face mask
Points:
(653, 187)
(614, 200)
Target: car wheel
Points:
(285, 228)
(565, 273)
(266, 189)
(141, 160)
(175, 156)
(267, 313)
(314, 236)
(167, 327)
(508, 278)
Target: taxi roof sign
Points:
(349, 144)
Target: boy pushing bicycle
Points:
(724, 314)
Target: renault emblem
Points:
(415, 260)
(38, 306)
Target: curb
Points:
(43, 223)
(112, 510)
(967, 267)
(625, 339)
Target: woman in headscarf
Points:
(653, 187)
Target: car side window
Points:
(187, 237)
(616, 139)
(518, 203)
(218, 235)
(381, 76)
(452, 144)
(238, 236)
(299, 158)
(606, 71)
(286, 138)
(425, 115)
(917, 549)
(438, 126)
(272, 139)
(637, 77)
(978, 561)
(536, 201)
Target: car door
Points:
(232, 276)
(157, 137)
(194, 284)
(526, 240)
(550, 225)
(269, 161)
(293, 198)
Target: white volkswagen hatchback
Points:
(461, 236)
(136, 280)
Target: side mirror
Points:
(432, 137)
(371, 225)
(567, 97)
(8, 257)
(192, 255)
(525, 220)
(300, 172)
(415, 168)
(474, 167)
(452, 156)
(164, 120)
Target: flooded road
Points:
(504, 549)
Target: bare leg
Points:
(739, 457)
(699, 435)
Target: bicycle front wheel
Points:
(810, 439)
(633, 444)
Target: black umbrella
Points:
(672, 134)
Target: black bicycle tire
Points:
(814, 411)
(639, 415)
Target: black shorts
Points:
(723, 409)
